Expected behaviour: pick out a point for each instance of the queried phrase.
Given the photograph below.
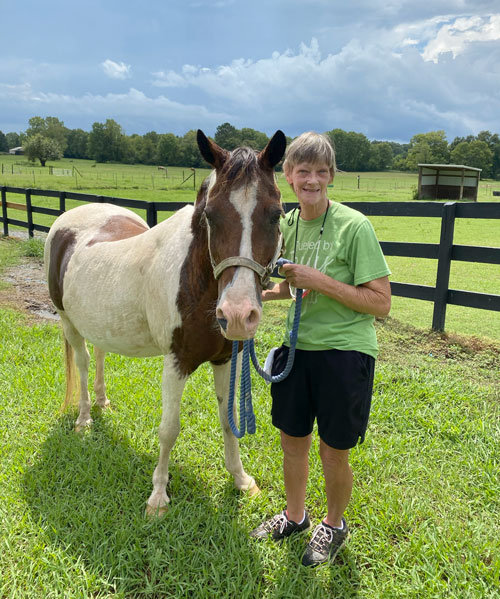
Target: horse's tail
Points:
(72, 377)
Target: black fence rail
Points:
(444, 252)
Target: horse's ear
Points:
(210, 151)
(273, 152)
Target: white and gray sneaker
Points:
(325, 543)
(279, 527)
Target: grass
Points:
(137, 182)
(424, 514)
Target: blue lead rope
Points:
(247, 416)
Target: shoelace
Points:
(322, 537)
(279, 519)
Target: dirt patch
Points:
(27, 290)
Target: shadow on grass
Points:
(87, 495)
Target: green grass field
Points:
(424, 515)
(148, 183)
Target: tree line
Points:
(48, 139)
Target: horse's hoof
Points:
(155, 512)
(103, 405)
(80, 428)
(253, 490)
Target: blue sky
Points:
(387, 69)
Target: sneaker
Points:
(325, 544)
(279, 527)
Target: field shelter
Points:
(448, 182)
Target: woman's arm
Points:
(373, 297)
(277, 292)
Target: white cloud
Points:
(457, 36)
(132, 110)
(116, 70)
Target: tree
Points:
(253, 139)
(352, 149)
(77, 144)
(4, 146)
(189, 154)
(428, 148)
(227, 136)
(42, 148)
(380, 156)
(107, 142)
(475, 153)
(13, 140)
(493, 141)
(50, 127)
(167, 151)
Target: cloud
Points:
(383, 86)
(457, 36)
(134, 110)
(116, 70)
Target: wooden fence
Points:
(444, 252)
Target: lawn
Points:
(424, 516)
(148, 183)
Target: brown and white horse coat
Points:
(136, 291)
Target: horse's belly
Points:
(122, 331)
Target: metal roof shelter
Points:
(448, 182)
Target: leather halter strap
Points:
(264, 272)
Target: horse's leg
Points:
(242, 480)
(82, 359)
(172, 388)
(99, 385)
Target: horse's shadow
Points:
(87, 493)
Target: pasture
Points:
(149, 183)
(424, 514)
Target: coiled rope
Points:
(247, 416)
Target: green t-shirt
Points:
(347, 251)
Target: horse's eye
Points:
(275, 217)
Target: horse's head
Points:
(242, 211)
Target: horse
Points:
(185, 289)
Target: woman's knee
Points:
(330, 455)
(295, 447)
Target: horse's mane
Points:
(241, 166)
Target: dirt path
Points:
(27, 290)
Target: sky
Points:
(388, 69)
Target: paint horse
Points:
(183, 288)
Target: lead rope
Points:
(247, 416)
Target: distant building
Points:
(19, 151)
(448, 182)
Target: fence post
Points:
(4, 212)
(444, 265)
(151, 214)
(29, 212)
(62, 202)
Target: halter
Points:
(264, 272)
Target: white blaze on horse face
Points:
(239, 304)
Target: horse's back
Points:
(108, 273)
(84, 226)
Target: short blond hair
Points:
(310, 147)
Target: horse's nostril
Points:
(253, 317)
(223, 323)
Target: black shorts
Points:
(332, 386)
